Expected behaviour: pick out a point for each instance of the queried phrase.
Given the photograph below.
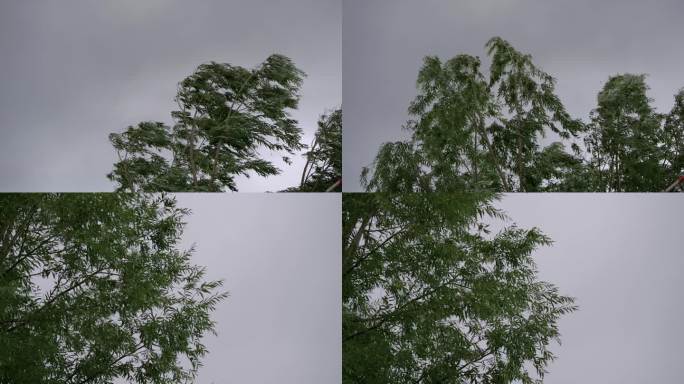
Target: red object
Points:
(681, 178)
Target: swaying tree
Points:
(94, 289)
(470, 132)
(323, 169)
(226, 115)
(429, 295)
(624, 138)
(673, 138)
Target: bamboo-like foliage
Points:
(227, 114)
(430, 295)
(94, 289)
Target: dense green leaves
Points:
(226, 115)
(431, 296)
(94, 288)
(624, 138)
(474, 132)
(673, 136)
(323, 169)
(398, 168)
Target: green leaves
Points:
(227, 115)
(673, 137)
(627, 139)
(476, 133)
(94, 289)
(473, 133)
(323, 168)
(429, 295)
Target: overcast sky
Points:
(73, 71)
(279, 256)
(620, 256)
(579, 42)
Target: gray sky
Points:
(280, 258)
(74, 71)
(579, 42)
(620, 256)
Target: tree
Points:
(323, 169)
(94, 289)
(470, 132)
(624, 139)
(673, 137)
(429, 295)
(226, 115)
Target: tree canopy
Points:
(226, 115)
(673, 136)
(471, 132)
(627, 137)
(95, 289)
(323, 168)
(430, 295)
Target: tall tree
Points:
(673, 138)
(323, 168)
(624, 138)
(473, 132)
(226, 115)
(429, 295)
(94, 289)
(531, 111)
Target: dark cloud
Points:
(619, 255)
(580, 43)
(73, 71)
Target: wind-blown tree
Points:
(673, 138)
(471, 132)
(227, 115)
(429, 295)
(625, 139)
(323, 168)
(94, 289)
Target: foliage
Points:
(624, 138)
(226, 115)
(475, 133)
(398, 168)
(94, 289)
(673, 137)
(323, 168)
(431, 296)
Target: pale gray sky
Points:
(73, 71)
(279, 256)
(620, 256)
(579, 42)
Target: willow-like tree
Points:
(94, 290)
(227, 115)
(471, 132)
(673, 137)
(323, 168)
(625, 139)
(429, 295)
